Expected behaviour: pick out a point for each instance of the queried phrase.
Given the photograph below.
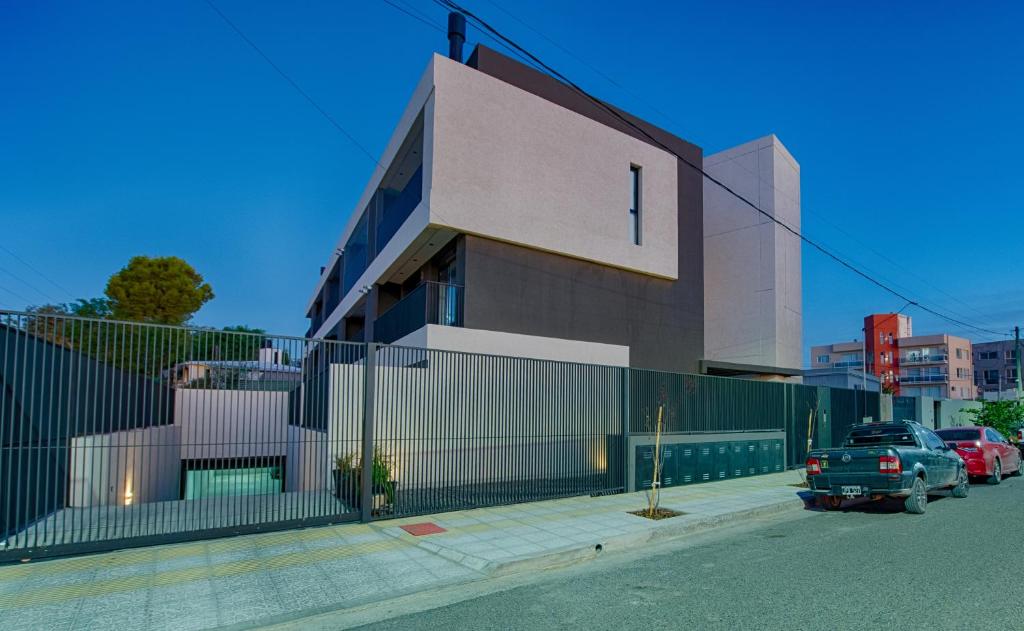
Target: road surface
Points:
(959, 566)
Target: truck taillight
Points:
(890, 464)
(813, 466)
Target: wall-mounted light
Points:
(128, 495)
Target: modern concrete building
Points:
(515, 216)
(995, 368)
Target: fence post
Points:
(369, 381)
(624, 412)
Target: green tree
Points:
(232, 343)
(51, 321)
(164, 290)
(1003, 416)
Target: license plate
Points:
(850, 490)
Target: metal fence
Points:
(115, 434)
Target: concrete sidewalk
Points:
(266, 578)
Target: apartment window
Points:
(823, 359)
(988, 355)
(881, 337)
(634, 204)
(959, 353)
(1009, 355)
(992, 377)
(1011, 374)
(890, 338)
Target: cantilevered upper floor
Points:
(515, 216)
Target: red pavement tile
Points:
(425, 528)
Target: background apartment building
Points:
(517, 217)
(995, 368)
(938, 366)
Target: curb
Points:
(578, 553)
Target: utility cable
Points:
(32, 268)
(292, 83)
(615, 113)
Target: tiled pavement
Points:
(275, 576)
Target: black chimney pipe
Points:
(456, 35)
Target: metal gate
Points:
(116, 434)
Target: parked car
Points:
(902, 459)
(986, 452)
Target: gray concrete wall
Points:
(525, 291)
(752, 267)
(951, 413)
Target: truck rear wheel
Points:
(917, 501)
(963, 485)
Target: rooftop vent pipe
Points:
(456, 35)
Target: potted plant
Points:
(348, 477)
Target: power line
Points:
(292, 83)
(582, 61)
(814, 244)
(416, 15)
(28, 284)
(44, 276)
(639, 98)
(16, 295)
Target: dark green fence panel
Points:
(804, 409)
(904, 409)
(699, 403)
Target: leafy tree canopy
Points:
(1003, 416)
(164, 290)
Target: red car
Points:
(985, 451)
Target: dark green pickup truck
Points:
(902, 459)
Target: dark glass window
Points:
(634, 205)
(356, 255)
(890, 435)
(958, 434)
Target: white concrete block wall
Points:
(122, 468)
(559, 184)
(449, 338)
(231, 423)
(752, 266)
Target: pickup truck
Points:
(902, 459)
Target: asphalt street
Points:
(959, 566)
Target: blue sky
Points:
(151, 128)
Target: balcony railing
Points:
(934, 378)
(924, 359)
(849, 364)
(429, 303)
